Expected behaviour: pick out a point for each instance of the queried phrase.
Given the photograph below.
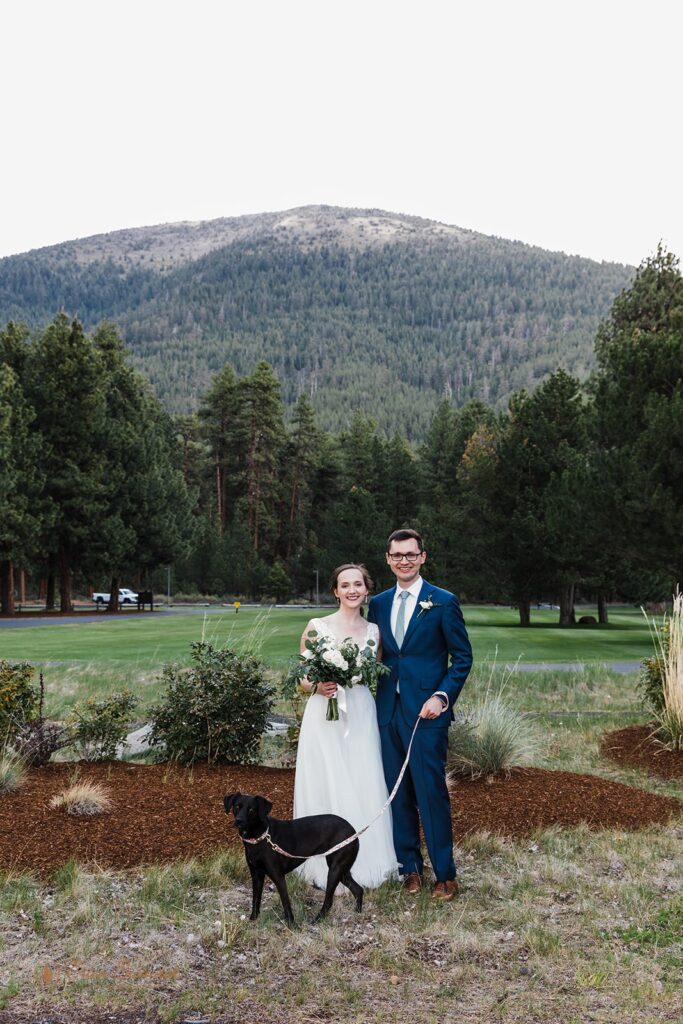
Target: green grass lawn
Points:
(150, 641)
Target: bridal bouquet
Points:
(338, 661)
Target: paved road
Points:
(26, 619)
(625, 667)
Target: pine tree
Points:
(65, 387)
(260, 436)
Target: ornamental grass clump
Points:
(662, 677)
(83, 798)
(12, 770)
(216, 710)
(490, 738)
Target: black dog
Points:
(303, 837)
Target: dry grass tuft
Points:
(83, 798)
(12, 771)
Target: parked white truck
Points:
(125, 597)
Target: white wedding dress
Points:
(339, 771)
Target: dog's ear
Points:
(264, 806)
(229, 799)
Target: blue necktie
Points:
(400, 630)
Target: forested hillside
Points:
(360, 310)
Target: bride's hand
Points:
(327, 689)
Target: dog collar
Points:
(254, 841)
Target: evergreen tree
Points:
(299, 462)
(219, 419)
(639, 409)
(259, 438)
(21, 483)
(65, 386)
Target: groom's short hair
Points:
(405, 535)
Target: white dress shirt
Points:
(413, 592)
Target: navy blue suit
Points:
(420, 668)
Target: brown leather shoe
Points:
(445, 891)
(412, 883)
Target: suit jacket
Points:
(421, 667)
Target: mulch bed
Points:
(163, 813)
(636, 747)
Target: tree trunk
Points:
(113, 595)
(65, 602)
(524, 606)
(7, 587)
(50, 590)
(602, 607)
(220, 510)
(567, 613)
(22, 587)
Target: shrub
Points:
(665, 671)
(12, 771)
(651, 681)
(216, 710)
(99, 726)
(490, 738)
(86, 798)
(19, 698)
(35, 738)
(21, 716)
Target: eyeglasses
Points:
(410, 556)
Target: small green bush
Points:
(651, 681)
(216, 710)
(19, 698)
(490, 738)
(99, 726)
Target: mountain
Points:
(362, 309)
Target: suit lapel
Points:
(416, 618)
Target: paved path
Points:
(26, 619)
(625, 667)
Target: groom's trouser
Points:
(423, 790)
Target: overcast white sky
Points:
(558, 124)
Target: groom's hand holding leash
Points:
(433, 707)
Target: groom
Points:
(422, 628)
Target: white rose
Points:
(355, 680)
(359, 661)
(330, 657)
(308, 654)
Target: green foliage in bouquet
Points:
(99, 726)
(216, 710)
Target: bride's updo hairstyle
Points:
(367, 579)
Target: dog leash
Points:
(278, 849)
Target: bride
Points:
(339, 764)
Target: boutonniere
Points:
(427, 605)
